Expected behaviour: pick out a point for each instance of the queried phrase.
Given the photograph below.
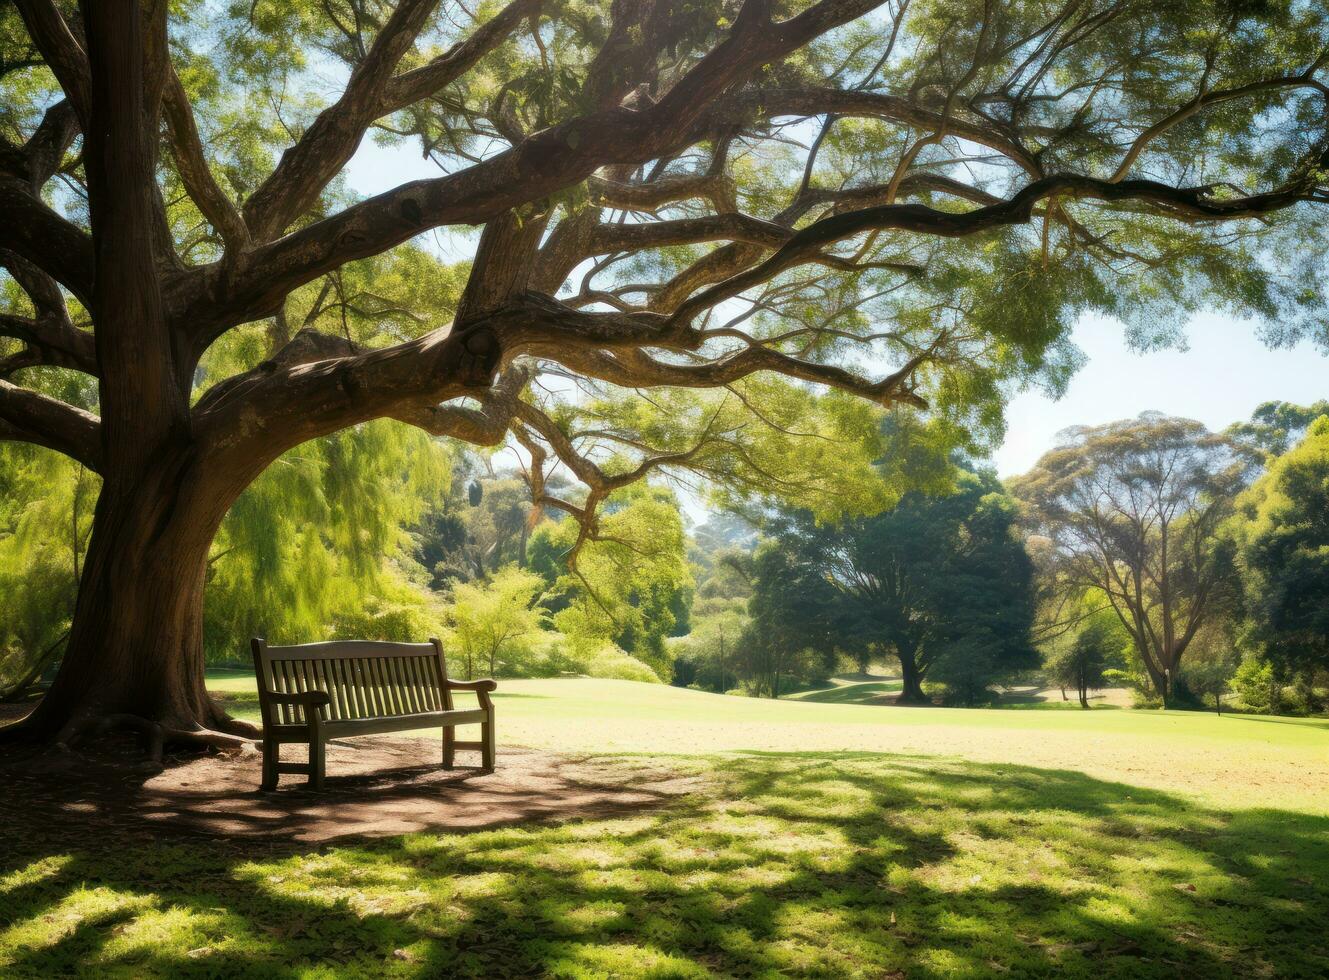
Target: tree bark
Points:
(136, 643)
(911, 690)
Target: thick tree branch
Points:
(331, 141)
(192, 165)
(420, 83)
(40, 157)
(28, 416)
(58, 247)
(537, 167)
(50, 343)
(652, 195)
(63, 52)
(1182, 203)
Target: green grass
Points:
(1229, 761)
(814, 849)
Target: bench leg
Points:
(317, 760)
(487, 742)
(270, 750)
(449, 747)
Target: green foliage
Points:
(1079, 661)
(313, 539)
(789, 639)
(630, 576)
(1255, 684)
(705, 657)
(1275, 427)
(940, 582)
(477, 529)
(1281, 533)
(495, 622)
(1131, 511)
(46, 503)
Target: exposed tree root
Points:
(19, 731)
(156, 736)
(207, 738)
(235, 726)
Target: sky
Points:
(1225, 372)
(1223, 375)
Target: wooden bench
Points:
(314, 692)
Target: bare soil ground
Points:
(375, 787)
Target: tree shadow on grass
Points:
(879, 692)
(827, 864)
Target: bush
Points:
(1254, 683)
(600, 658)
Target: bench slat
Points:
(426, 695)
(350, 650)
(421, 673)
(413, 704)
(381, 687)
(401, 723)
(399, 703)
(421, 695)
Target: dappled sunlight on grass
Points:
(832, 864)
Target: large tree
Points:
(941, 581)
(900, 202)
(1131, 512)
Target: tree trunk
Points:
(911, 690)
(136, 643)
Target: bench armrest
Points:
(317, 699)
(483, 685)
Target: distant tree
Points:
(1212, 675)
(1131, 509)
(1080, 661)
(622, 580)
(489, 618)
(792, 613)
(927, 577)
(706, 656)
(479, 527)
(1281, 530)
(1275, 427)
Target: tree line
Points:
(1149, 553)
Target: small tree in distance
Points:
(1080, 664)
(490, 619)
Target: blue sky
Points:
(1223, 375)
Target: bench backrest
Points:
(363, 678)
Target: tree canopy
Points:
(940, 581)
(1282, 532)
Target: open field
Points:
(1229, 761)
(814, 839)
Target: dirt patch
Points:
(375, 787)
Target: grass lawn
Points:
(831, 839)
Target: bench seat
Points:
(311, 693)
